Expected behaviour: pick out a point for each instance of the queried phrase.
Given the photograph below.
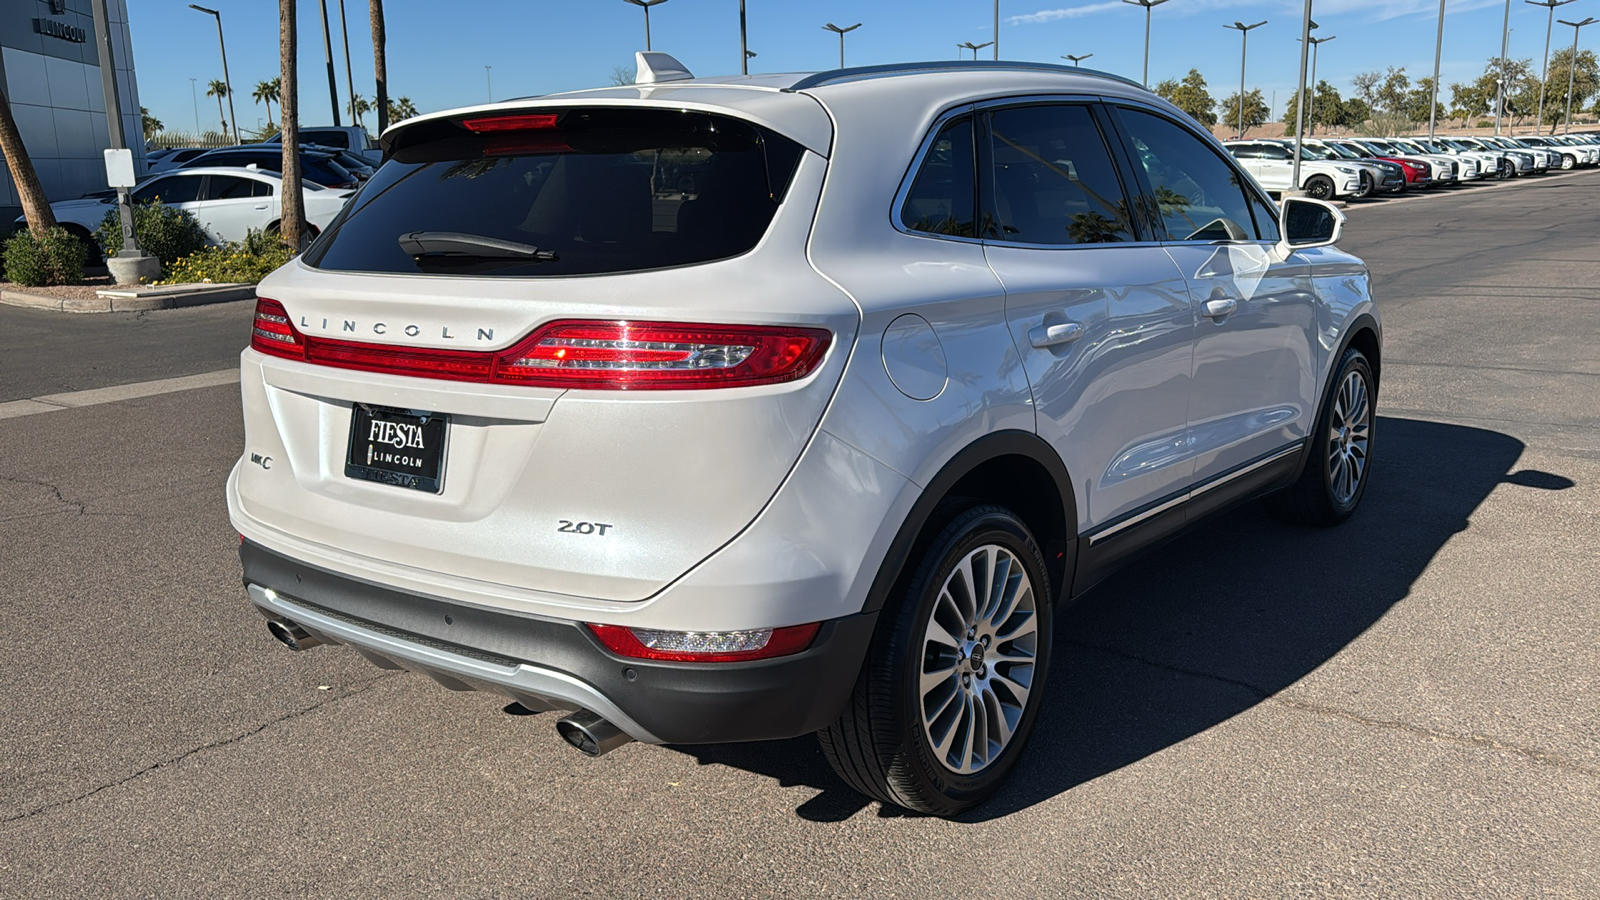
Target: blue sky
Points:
(437, 49)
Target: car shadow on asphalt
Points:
(1213, 623)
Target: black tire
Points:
(1568, 162)
(1319, 187)
(1321, 496)
(881, 744)
(1505, 170)
(1366, 187)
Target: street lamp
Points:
(744, 46)
(841, 32)
(646, 4)
(1544, 75)
(1438, 50)
(1314, 43)
(1572, 66)
(1244, 46)
(1500, 74)
(228, 84)
(1077, 60)
(975, 48)
(327, 52)
(195, 97)
(488, 82)
(1147, 4)
(1300, 110)
(996, 40)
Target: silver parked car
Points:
(738, 409)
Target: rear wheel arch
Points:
(1014, 469)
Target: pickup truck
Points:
(344, 137)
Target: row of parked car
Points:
(1352, 168)
(231, 190)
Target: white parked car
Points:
(1467, 168)
(1272, 164)
(1487, 164)
(227, 202)
(711, 410)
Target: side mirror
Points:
(1309, 223)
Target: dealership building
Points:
(50, 71)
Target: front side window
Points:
(1198, 195)
(1050, 179)
(584, 191)
(941, 197)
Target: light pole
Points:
(488, 82)
(996, 40)
(1077, 60)
(841, 32)
(225, 81)
(1544, 74)
(1315, 42)
(195, 96)
(744, 46)
(1500, 75)
(327, 51)
(1438, 50)
(646, 4)
(1244, 47)
(1572, 66)
(1147, 4)
(1300, 112)
(975, 48)
(349, 78)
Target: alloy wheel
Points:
(1349, 432)
(978, 659)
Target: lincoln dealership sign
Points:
(61, 30)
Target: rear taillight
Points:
(706, 646)
(274, 334)
(660, 355)
(575, 354)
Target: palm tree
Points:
(267, 92)
(380, 62)
(35, 206)
(292, 222)
(152, 125)
(219, 89)
(401, 109)
(358, 105)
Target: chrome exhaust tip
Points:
(291, 635)
(590, 734)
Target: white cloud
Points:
(1072, 12)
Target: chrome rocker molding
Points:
(521, 680)
(1141, 516)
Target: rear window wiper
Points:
(458, 246)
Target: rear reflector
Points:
(706, 646)
(575, 354)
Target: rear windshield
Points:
(580, 192)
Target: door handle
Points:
(1044, 336)
(262, 206)
(1219, 308)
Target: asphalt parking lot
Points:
(1408, 706)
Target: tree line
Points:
(1390, 100)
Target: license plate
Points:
(404, 448)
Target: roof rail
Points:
(858, 72)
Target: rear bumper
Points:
(553, 664)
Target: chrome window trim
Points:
(1194, 491)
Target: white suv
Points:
(738, 409)
(1272, 164)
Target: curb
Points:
(134, 299)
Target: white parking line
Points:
(97, 396)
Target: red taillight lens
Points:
(706, 646)
(274, 334)
(576, 354)
(661, 355)
(532, 122)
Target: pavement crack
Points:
(214, 745)
(74, 507)
(1263, 695)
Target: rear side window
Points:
(580, 192)
(337, 139)
(940, 200)
(232, 187)
(170, 190)
(1053, 182)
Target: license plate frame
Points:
(410, 454)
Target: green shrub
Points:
(56, 258)
(246, 262)
(165, 232)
